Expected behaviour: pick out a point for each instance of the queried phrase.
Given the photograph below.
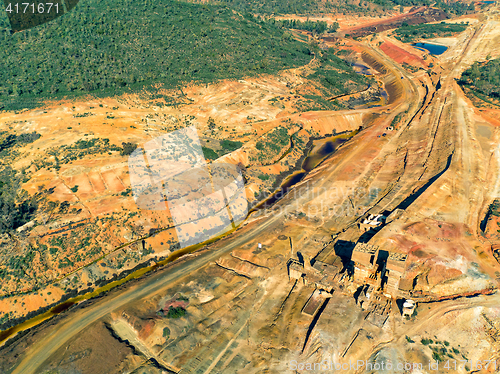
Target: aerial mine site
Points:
(250, 187)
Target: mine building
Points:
(296, 270)
(323, 275)
(395, 267)
(408, 308)
(378, 267)
(363, 256)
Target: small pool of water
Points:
(361, 69)
(383, 93)
(434, 49)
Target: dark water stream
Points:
(316, 156)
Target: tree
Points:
(128, 148)
(333, 27)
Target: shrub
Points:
(229, 145)
(128, 148)
(209, 153)
(176, 312)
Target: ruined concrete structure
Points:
(323, 275)
(379, 306)
(363, 257)
(408, 308)
(395, 267)
(295, 270)
(378, 267)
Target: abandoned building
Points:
(408, 308)
(394, 269)
(378, 267)
(377, 304)
(324, 276)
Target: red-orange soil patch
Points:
(492, 116)
(401, 56)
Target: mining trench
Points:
(314, 322)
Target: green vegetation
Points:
(166, 332)
(173, 42)
(127, 192)
(335, 76)
(290, 6)
(316, 27)
(441, 349)
(16, 206)
(436, 356)
(10, 140)
(264, 177)
(272, 143)
(209, 153)
(227, 146)
(408, 33)
(456, 7)
(482, 79)
(86, 114)
(74, 189)
(409, 340)
(16, 265)
(128, 148)
(75, 151)
(64, 263)
(176, 312)
(311, 7)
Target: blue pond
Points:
(361, 69)
(433, 49)
(488, 2)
